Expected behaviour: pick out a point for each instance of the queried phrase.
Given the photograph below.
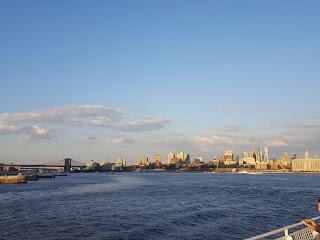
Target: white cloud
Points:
(31, 131)
(146, 124)
(36, 132)
(276, 142)
(99, 121)
(69, 114)
(223, 139)
(111, 140)
(79, 115)
(118, 140)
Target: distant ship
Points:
(46, 175)
(246, 172)
(31, 177)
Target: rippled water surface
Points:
(155, 206)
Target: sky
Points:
(103, 79)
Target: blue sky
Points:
(99, 79)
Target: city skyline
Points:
(107, 79)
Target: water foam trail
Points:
(118, 183)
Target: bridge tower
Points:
(67, 164)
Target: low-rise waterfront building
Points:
(215, 161)
(198, 161)
(306, 165)
(248, 161)
(262, 166)
(274, 166)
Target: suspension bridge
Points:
(67, 164)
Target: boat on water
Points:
(31, 177)
(296, 231)
(16, 179)
(46, 175)
(248, 172)
(62, 174)
(255, 173)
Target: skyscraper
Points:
(266, 154)
(171, 156)
(183, 157)
(228, 157)
(260, 155)
(144, 161)
(121, 162)
(157, 160)
(245, 155)
(293, 156)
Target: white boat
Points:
(296, 231)
(252, 173)
(255, 173)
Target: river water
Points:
(156, 205)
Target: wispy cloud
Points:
(36, 132)
(309, 125)
(228, 108)
(276, 142)
(8, 128)
(145, 124)
(67, 115)
(220, 141)
(223, 139)
(117, 140)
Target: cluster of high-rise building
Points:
(258, 159)
(253, 157)
(261, 160)
(145, 161)
(178, 158)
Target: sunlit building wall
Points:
(171, 157)
(306, 165)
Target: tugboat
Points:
(16, 179)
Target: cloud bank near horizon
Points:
(99, 116)
(133, 131)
